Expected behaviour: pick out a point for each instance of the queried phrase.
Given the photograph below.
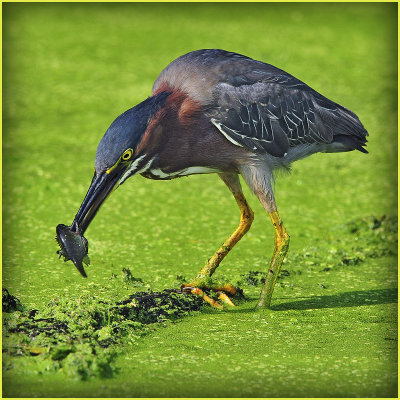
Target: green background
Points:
(70, 69)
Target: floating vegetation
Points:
(370, 237)
(81, 336)
(78, 336)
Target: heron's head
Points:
(118, 157)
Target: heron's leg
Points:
(281, 248)
(258, 176)
(246, 219)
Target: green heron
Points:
(213, 111)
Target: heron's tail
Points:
(349, 132)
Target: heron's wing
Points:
(275, 113)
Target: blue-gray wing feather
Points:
(279, 112)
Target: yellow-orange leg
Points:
(281, 247)
(246, 219)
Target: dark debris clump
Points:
(254, 278)
(10, 302)
(150, 307)
(350, 244)
(79, 335)
(127, 277)
(372, 237)
(257, 278)
(383, 223)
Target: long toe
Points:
(220, 290)
(206, 298)
(225, 298)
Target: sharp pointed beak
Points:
(73, 245)
(102, 185)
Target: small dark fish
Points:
(73, 246)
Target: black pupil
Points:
(126, 156)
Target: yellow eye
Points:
(127, 155)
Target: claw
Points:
(187, 288)
(222, 296)
(225, 298)
(227, 287)
(206, 298)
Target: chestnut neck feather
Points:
(180, 134)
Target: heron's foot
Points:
(211, 290)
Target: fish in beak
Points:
(116, 160)
(73, 245)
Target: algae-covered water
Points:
(69, 70)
